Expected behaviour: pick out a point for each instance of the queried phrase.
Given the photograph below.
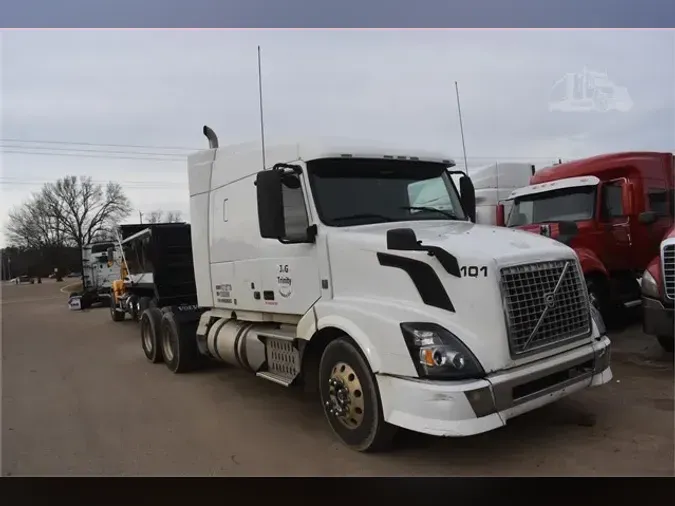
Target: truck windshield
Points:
(569, 204)
(353, 191)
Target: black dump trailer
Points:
(160, 273)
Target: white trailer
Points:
(324, 270)
(494, 184)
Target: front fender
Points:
(373, 325)
(590, 261)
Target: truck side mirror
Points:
(500, 219)
(567, 230)
(647, 217)
(110, 255)
(402, 239)
(468, 197)
(270, 204)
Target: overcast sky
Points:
(157, 89)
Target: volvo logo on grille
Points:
(549, 300)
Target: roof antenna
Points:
(262, 120)
(461, 129)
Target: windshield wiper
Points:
(380, 217)
(448, 214)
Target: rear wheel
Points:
(179, 345)
(116, 314)
(351, 400)
(666, 343)
(151, 322)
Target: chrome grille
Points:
(668, 255)
(545, 303)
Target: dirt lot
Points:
(79, 398)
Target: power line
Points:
(82, 155)
(182, 157)
(71, 143)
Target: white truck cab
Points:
(358, 272)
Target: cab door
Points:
(615, 226)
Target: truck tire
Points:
(115, 314)
(666, 343)
(151, 322)
(351, 399)
(179, 345)
(132, 304)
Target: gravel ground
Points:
(79, 398)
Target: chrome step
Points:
(280, 334)
(276, 378)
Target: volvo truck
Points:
(613, 210)
(322, 268)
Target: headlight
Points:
(438, 353)
(599, 321)
(649, 286)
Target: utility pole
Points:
(260, 104)
(140, 217)
(461, 129)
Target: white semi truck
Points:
(323, 270)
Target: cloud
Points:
(157, 88)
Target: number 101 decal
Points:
(473, 271)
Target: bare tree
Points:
(159, 216)
(33, 225)
(85, 210)
(174, 217)
(154, 217)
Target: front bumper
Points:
(657, 320)
(471, 407)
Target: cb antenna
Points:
(262, 118)
(461, 129)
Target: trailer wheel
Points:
(351, 400)
(151, 322)
(666, 343)
(115, 314)
(179, 345)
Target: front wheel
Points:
(115, 314)
(599, 297)
(666, 343)
(351, 400)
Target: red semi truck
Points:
(613, 209)
(658, 294)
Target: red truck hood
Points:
(671, 233)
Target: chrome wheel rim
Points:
(147, 336)
(345, 396)
(167, 347)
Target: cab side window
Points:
(658, 201)
(295, 211)
(612, 204)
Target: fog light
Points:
(481, 401)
